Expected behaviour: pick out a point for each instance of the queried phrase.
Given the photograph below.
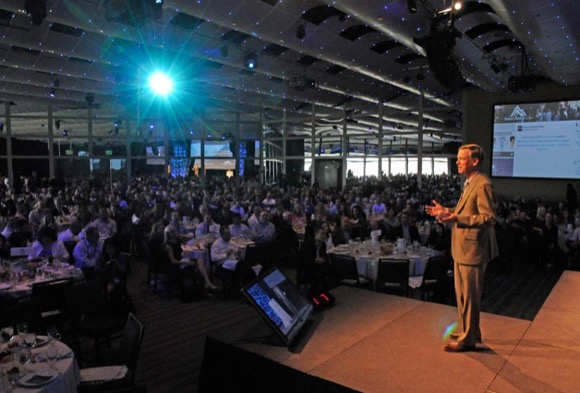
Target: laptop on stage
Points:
(287, 311)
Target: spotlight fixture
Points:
(301, 31)
(64, 132)
(412, 6)
(251, 62)
(57, 123)
(52, 93)
(36, 11)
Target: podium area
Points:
(372, 342)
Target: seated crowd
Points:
(68, 221)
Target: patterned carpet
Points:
(175, 332)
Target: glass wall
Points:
(86, 142)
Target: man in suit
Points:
(407, 230)
(473, 243)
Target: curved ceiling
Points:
(336, 57)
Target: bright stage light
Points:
(160, 84)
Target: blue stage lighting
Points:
(251, 61)
(160, 84)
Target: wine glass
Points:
(7, 333)
(22, 356)
(29, 341)
(53, 336)
(51, 354)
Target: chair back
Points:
(435, 271)
(156, 260)
(51, 300)
(393, 274)
(252, 255)
(20, 251)
(131, 344)
(343, 267)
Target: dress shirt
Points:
(57, 251)
(86, 254)
(264, 233)
(241, 230)
(107, 228)
(66, 236)
(203, 229)
(219, 252)
(253, 220)
(240, 210)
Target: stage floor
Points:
(371, 342)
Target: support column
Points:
(128, 153)
(262, 174)
(420, 141)
(313, 145)
(9, 165)
(51, 171)
(380, 142)
(284, 142)
(165, 131)
(237, 146)
(344, 150)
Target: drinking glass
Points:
(53, 336)
(51, 355)
(22, 356)
(29, 341)
(7, 333)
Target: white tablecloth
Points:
(368, 263)
(66, 366)
(24, 288)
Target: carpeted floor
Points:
(175, 332)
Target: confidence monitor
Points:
(283, 307)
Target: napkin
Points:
(106, 373)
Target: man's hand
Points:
(435, 210)
(447, 218)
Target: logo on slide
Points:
(518, 113)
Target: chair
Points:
(433, 279)
(156, 263)
(70, 247)
(122, 374)
(93, 317)
(343, 269)
(51, 302)
(252, 255)
(393, 276)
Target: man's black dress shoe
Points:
(455, 336)
(457, 346)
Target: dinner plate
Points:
(38, 378)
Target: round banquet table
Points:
(65, 366)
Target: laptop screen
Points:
(279, 303)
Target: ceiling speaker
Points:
(439, 46)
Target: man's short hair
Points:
(476, 151)
(91, 231)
